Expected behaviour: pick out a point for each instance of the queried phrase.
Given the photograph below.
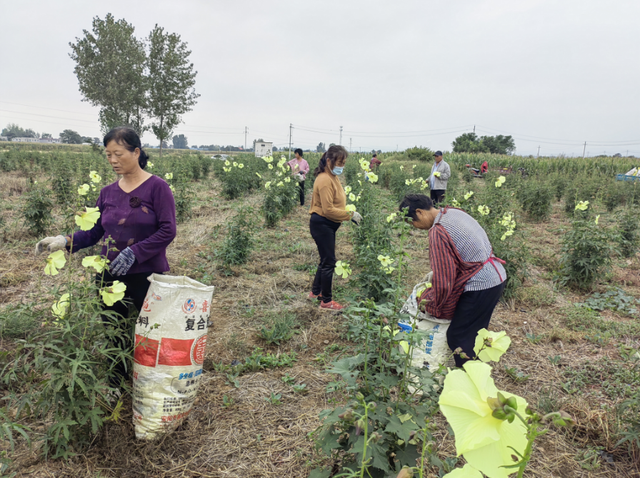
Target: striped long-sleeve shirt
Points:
(458, 251)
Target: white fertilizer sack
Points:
(171, 336)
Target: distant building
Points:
(4, 138)
(25, 139)
(49, 140)
(263, 148)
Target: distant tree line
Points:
(471, 143)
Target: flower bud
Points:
(405, 473)
(499, 414)
(372, 405)
(375, 437)
(494, 403)
(511, 402)
(347, 415)
(359, 396)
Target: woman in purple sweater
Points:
(138, 213)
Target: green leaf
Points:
(320, 473)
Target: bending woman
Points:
(328, 204)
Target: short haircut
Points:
(415, 201)
(299, 151)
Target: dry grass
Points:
(235, 432)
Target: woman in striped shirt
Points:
(468, 279)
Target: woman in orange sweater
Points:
(327, 212)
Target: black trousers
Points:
(473, 313)
(323, 232)
(437, 195)
(125, 322)
(301, 190)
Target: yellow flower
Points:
(270, 166)
(111, 295)
(483, 440)
(99, 263)
(267, 185)
(386, 261)
(227, 163)
(484, 210)
(95, 177)
(268, 159)
(240, 165)
(59, 308)
(86, 220)
(83, 190)
(168, 176)
(149, 165)
(235, 165)
(582, 206)
(280, 184)
(347, 189)
(597, 218)
(343, 269)
(408, 182)
(258, 174)
(352, 197)
(467, 471)
(468, 195)
(55, 261)
(414, 166)
(500, 181)
(350, 207)
(373, 177)
(490, 346)
(226, 170)
(391, 217)
(437, 174)
(287, 179)
(173, 190)
(401, 167)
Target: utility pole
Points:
(584, 149)
(246, 130)
(350, 144)
(340, 143)
(474, 129)
(538, 152)
(290, 128)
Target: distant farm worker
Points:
(468, 279)
(138, 213)
(484, 167)
(375, 162)
(440, 174)
(299, 169)
(327, 212)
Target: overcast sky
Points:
(551, 73)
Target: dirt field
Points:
(234, 429)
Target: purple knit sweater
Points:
(143, 220)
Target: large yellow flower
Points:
(168, 176)
(55, 261)
(111, 295)
(59, 308)
(582, 206)
(95, 177)
(484, 210)
(350, 207)
(490, 346)
(373, 177)
(500, 181)
(99, 263)
(483, 440)
(86, 220)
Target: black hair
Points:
(415, 201)
(331, 156)
(299, 151)
(127, 137)
(375, 155)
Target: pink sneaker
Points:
(312, 296)
(331, 306)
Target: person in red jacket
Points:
(484, 168)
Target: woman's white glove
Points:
(52, 244)
(356, 218)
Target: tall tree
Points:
(14, 131)
(320, 148)
(110, 65)
(180, 142)
(171, 80)
(70, 137)
(499, 144)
